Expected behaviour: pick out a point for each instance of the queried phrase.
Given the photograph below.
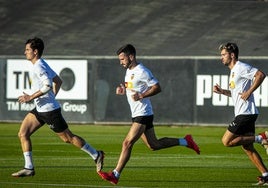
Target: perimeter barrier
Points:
(88, 91)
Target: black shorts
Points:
(54, 119)
(243, 124)
(144, 120)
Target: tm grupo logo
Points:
(72, 72)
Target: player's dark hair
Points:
(36, 44)
(128, 49)
(230, 48)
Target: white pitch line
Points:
(133, 158)
(61, 185)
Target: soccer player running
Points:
(244, 80)
(46, 84)
(139, 86)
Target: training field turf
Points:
(58, 164)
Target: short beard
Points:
(129, 63)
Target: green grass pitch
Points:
(58, 164)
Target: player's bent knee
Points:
(22, 135)
(127, 144)
(226, 143)
(66, 140)
(154, 147)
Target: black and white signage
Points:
(72, 72)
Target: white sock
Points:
(258, 138)
(28, 160)
(90, 150)
(116, 174)
(182, 142)
(265, 174)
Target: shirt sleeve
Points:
(44, 73)
(249, 72)
(148, 78)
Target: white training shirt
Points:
(139, 79)
(40, 72)
(241, 78)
